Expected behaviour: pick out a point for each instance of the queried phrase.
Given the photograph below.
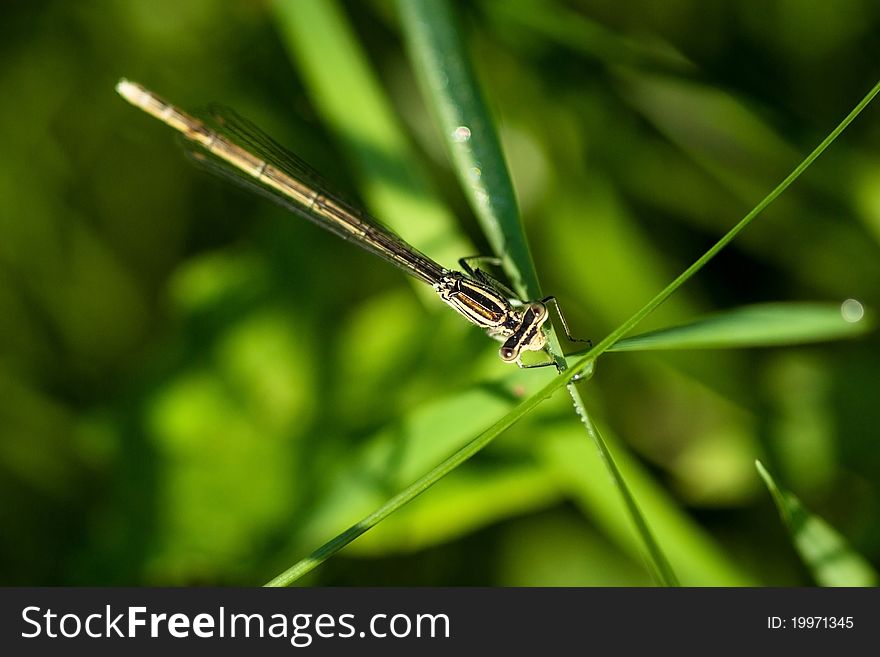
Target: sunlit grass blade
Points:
(761, 325)
(699, 560)
(659, 564)
(418, 487)
(824, 551)
(618, 334)
(446, 75)
(444, 71)
(402, 450)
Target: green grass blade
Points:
(659, 563)
(825, 552)
(760, 325)
(446, 76)
(444, 71)
(418, 487)
(617, 334)
(699, 559)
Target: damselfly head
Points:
(528, 336)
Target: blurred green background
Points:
(198, 388)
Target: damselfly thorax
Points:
(519, 327)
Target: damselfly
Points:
(242, 152)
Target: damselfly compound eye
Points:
(507, 354)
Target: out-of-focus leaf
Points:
(399, 454)
(559, 549)
(825, 552)
(761, 325)
(468, 499)
(696, 558)
(424, 482)
(325, 50)
(716, 128)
